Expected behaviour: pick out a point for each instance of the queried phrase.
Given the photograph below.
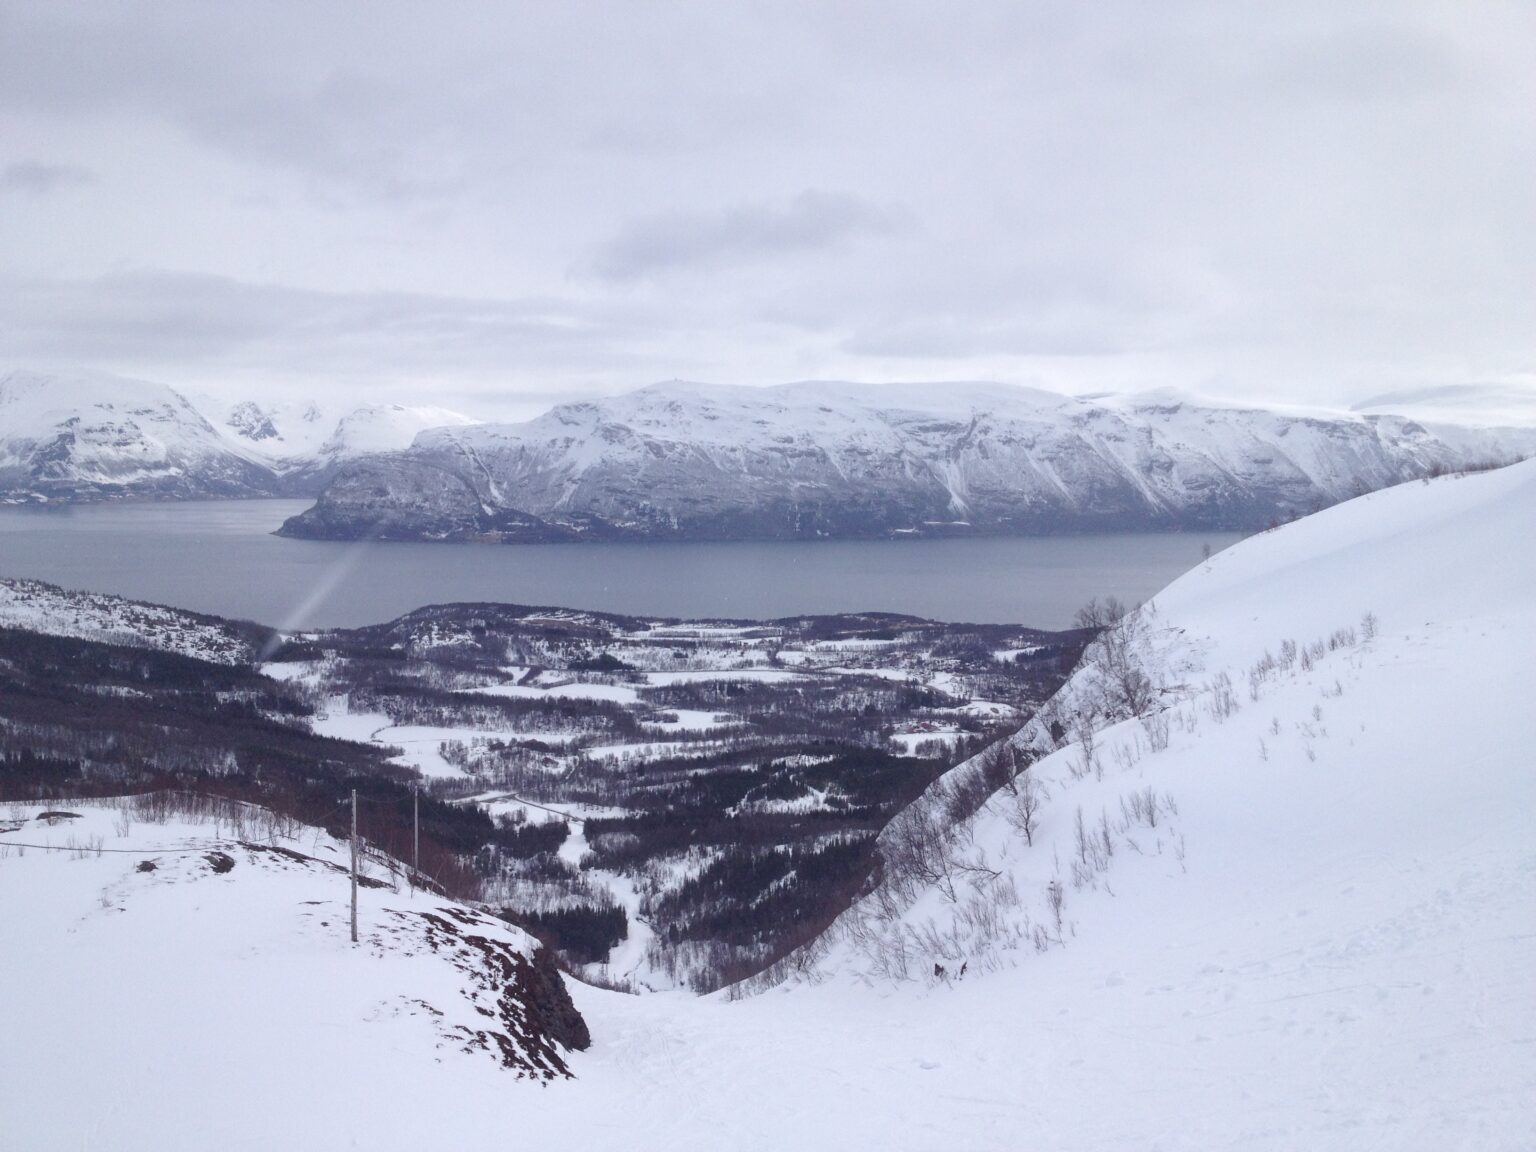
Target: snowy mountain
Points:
(84, 436)
(92, 435)
(306, 442)
(821, 459)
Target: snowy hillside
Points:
(1294, 902)
(81, 436)
(46, 608)
(193, 974)
(800, 460)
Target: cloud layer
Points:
(496, 202)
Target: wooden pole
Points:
(415, 834)
(354, 865)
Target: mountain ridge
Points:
(825, 459)
(85, 436)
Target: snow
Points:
(909, 741)
(1009, 655)
(617, 693)
(306, 434)
(130, 434)
(339, 722)
(46, 608)
(1325, 942)
(1328, 938)
(198, 1009)
(694, 676)
(691, 720)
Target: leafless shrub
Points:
(919, 848)
(1115, 658)
(1126, 755)
(999, 767)
(1025, 811)
(1055, 900)
(1222, 701)
(1141, 807)
(1155, 725)
(1369, 626)
(1085, 731)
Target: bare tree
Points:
(1025, 814)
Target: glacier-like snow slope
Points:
(1324, 941)
(816, 459)
(81, 435)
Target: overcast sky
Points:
(496, 205)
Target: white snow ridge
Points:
(1277, 891)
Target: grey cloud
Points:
(958, 336)
(160, 318)
(813, 221)
(39, 179)
(581, 195)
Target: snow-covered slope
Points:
(683, 460)
(312, 440)
(1297, 897)
(34, 606)
(90, 434)
(84, 435)
(175, 983)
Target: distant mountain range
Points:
(685, 461)
(93, 436)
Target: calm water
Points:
(221, 557)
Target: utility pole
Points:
(415, 834)
(354, 865)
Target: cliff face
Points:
(830, 460)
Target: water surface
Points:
(220, 557)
